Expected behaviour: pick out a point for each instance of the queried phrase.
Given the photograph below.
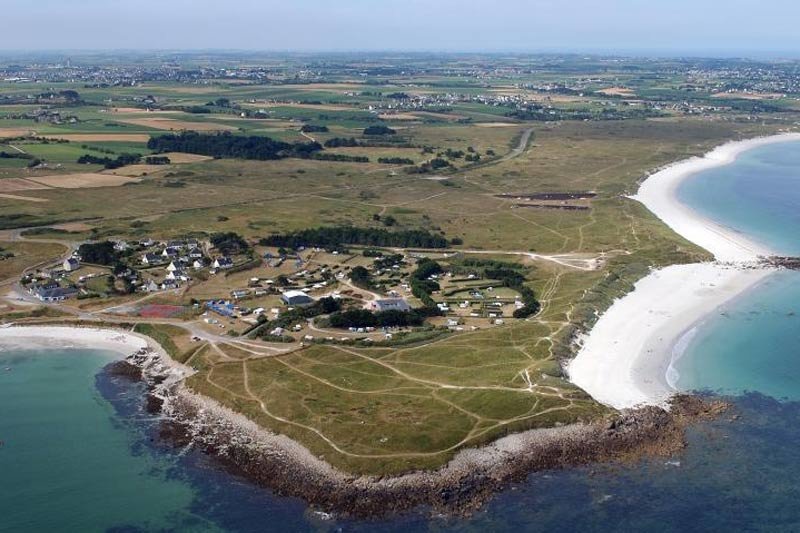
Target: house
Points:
(195, 253)
(150, 286)
(71, 264)
(170, 251)
(152, 259)
(171, 267)
(147, 243)
(177, 275)
(56, 294)
(169, 284)
(177, 244)
(222, 263)
(120, 246)
(296, 298)
(198, 264)
(239, 293)
(390, 304)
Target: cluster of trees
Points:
(99, 253)
(396, 161)
(421, 286)
(342, 142)
(361, 277)
(157, 160)
(312, 128)
(15, 155)
(229, 243)
(323, 306)
(341, 158)
(388, 261)
(379, 130)
(120, 161)
(337, 236)
(515, 280)
(433, 165)
(363, 318)
(225, 144)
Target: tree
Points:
(360, 277)
(229, 243)
(100, 253)
(379, 130)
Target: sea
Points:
(79, 452)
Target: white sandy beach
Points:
(29, 337)
(625, 359)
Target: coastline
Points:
(625, 361)
(287, 468)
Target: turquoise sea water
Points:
(753, 343)
(78, 451)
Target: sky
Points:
(691, 27)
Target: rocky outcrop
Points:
(463, 485)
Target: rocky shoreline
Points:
(460, 487)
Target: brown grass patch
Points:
(73, 226)
(617, 91)
(138, 111)
(175, 125)
(495, 124)
(103, 137)
(6, 133)
(136, 170)
(749, 96)
(19, 184)
(23, 198)
(179, 158)
(442, 116)
(398, 116)
(318, 107)
(83, 180)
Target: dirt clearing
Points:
(81, 181)
(103, 137)
(19, 184)
(175, 125)
(23, 198)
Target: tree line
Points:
(337, 236)
(222, 145)
(120, 161)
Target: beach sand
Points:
(624, 362)
(118, 341)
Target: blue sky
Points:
(722, 27)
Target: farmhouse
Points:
(71, 264)
(56, 294)
(296, 298)
(390, 304)
(152, 259)
(223, 263)
(239, 293)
